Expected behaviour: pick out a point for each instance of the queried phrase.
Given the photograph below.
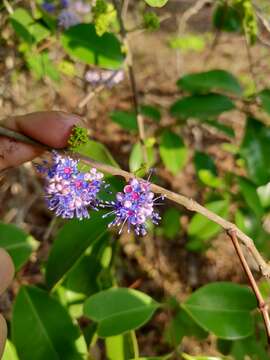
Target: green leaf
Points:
(151, 112)
(70, 244)
(201, 106)
(223, 309)
(42, 328)
(119, 347)
(203, 161)
(165, 357)
(17, 243)
(227, 130)
(156, 3)
(127, 120)
(264, 195)
(187, 43)
(83, 43)
(255, 151)
(171, 223)
(42, 66)
(10, 352)
(202, 228)
(83, 278)
(182, 324)
(25, 26)
(173, 151)
(136, 159)
(118, 310)
(250, 348)
(250, 195)
(265, 99)
(227, 18)
(97, 151)
(212, 80)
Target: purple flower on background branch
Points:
(134, 207)
(109, 78)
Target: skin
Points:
(51, 128)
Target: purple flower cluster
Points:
(69, 12)
(109, 78)
(134, 206)
(69, 192)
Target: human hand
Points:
(51, 128)
(6, 276)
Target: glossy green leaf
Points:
(201, 106)
(202, 228)
(250, 195)
(265, 99)
(212, 80)
(10, 352)
(70, 244)
(156, 3)
(255, 151)
(17, 243)
(173, 151)
(118, 310)
(203, 161)
(227, 130)
(83, 43)
(42, 328)
(223, 309)
(127, 120)
(171, 223)
(27, 28)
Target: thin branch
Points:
(190, 12)
(129, 61)
(180, 199)
(262, 306)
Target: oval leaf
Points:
(10, 352)
(83, 43)
(42, 328)
(70, 244)
(118, 310)
(201, 106)
(126, 119)
(17, 243)
(210, 81)
(224, 309)
(173, 151)
(255, 151)
(156, 3)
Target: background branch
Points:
(129, 61)
(180, 199)
(262, 306)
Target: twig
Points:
(129, 61)
(180, 199)
(191, 11)
(262, 306)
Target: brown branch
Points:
(262, 306)
(133, 84)
(180, 199)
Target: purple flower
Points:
(70, 192)
(105, 77)
(49, 7)
(65, 3)
(67, 18)
(134, 206)
(81, 7)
